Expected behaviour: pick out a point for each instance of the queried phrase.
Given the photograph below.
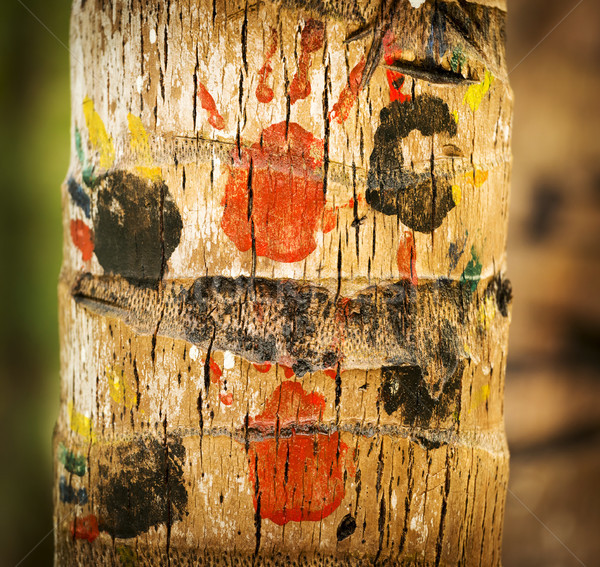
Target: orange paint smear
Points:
(341, 109)
(85, 528)
(226, 398)
(208, 104)
(265, 367)
(264, 93)
(407, 258)
(215, 371)
(82, 238)
(391, 53)
(287, 194)
(301, 477)
(311, 40)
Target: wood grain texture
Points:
(283, 305)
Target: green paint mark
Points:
(472, 271)
(127, 556)
(75, 464)
(87, 172)
(458, 59)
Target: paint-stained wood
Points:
(283, 304)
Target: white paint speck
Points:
(228, 360)
(139, 83)
(416, 3)
(152, 36)
(194, 352)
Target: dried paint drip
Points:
(391, 54)
(264, 93)
(297, 472)
(208, 104)
(341, 109)
(311, 40)
(82, 238)
(274, 198)
(407, 258)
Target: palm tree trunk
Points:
(283, 311)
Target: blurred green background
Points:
(553, 381)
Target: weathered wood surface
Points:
(283, 309)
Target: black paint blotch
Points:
(131, 239)
(142, 487)
(421, 200)
(346, 527)
(79, 196)
(404, 389)
(501, 289)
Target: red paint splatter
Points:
(287, 194)
(264, 93)
(407, 257)
(391, 53)
(83, 238)
(208, 104)
(226, 398)
(341, 109)
(311, 40)
(215, 371)
(85, 528)
(287, 371)
(301, 477)
(265, 367)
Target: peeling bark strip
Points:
(283, 304)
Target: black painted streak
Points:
(346, 527)
(132, 237)
(133, 495)
(391, 189)
(79, 197)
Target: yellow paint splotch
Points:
(99, 138)
(477, 177)
(475, 93)
(456, 194)
(480, 397)
(80, 423)
(120, 391)
(140, 147)
(487, 312)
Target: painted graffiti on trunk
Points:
(297, 473)
(274, 200)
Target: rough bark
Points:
(283, 308)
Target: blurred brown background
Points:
(553, 382)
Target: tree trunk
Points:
(283, 314)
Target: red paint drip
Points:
(265, 367)
(215, 371)
(311, 40)
(226, 398)
(407, 258)
(301, 477)
(82, 238)
(264, 93)
(287, 194)
(85, 528)
(391, 53)
(341, 109)
(208, 104)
